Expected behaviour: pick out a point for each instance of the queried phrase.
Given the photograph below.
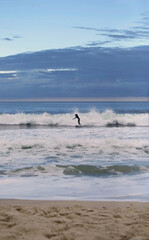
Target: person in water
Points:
(76, 116)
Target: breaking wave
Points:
(76, 170)
(90, 119)
(68, 146)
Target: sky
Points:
(34, 25)
(79, 49)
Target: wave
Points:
(67, 145)
(90, 119)
(100, 171)
(76, 170)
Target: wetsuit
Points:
(76, 116)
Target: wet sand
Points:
(73, 220)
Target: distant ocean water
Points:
(43, 155)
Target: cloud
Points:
(12, 38)
(138, 32)
(87, 28)
(118, 37)
(145, 18)
(7, 39)
(97, 43)
(88, 72)
(17, 36)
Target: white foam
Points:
(34, 147)
(92, 118)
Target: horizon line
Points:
(110, 99)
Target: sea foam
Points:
(91, 119)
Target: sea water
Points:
(43, 155)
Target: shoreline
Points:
(44, 202)
(80, 220)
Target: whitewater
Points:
(43, 155)
(90, 119)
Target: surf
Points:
(92, 118)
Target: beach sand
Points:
(69, 220)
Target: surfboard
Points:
(78, 126)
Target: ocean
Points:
(44, 155)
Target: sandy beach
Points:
(68, 220)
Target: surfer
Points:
(76, 116)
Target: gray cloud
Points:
(145, 18)
(141, 31)
(12, 38)
(100, 72)
(118, 37)
(87, 28)
(7, 39)
(99, 43)
(17, 36)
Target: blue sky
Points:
(92, 48)
(34, 25)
